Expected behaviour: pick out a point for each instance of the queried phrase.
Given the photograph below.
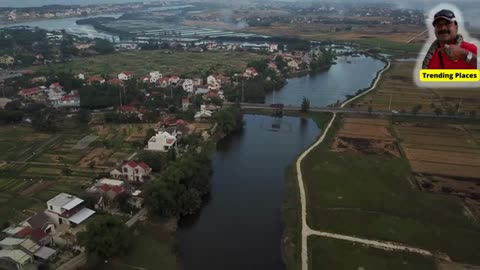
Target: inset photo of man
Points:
(449, 50)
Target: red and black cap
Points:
(444, 14)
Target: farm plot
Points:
(97, 157)
(446, 150)
(365, 135)
(397, 90)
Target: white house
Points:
(55, 92)
(163, 82)
(203, 113)
(67, 209)
(133, 171)
(188, 85)
(273, 47)
(125, 76)
(197, 81)
(80, 76)
(68, 101)
(155, 76)
(213, 83)
(162, 141)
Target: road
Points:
(81, 259)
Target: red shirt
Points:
(450, 64)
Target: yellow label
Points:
(449, 75)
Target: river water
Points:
(324, 88)
(241, 226)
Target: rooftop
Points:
(65, 201)
(15, 255)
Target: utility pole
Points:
(243, 94)
(390, 102)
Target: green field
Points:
(389, 45)
(176, 63)
(369, 196)
(326, 253)
(152, 248)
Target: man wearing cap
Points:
(449, 51)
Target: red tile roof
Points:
(70, 97)
(24, 232)
(95, 79)
(117, 189)
(105, 187)
(143, 165)
(115, 81)
(37, 235)
(169, 141)
(29, 91)
(55, 85)
(132, 164)
(128, 73)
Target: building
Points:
(19, 252)
(213, 83)
(292, 64)
(95, 79)
(203, 113)
(173, 80)
(7, 60)
(68, 101)
(14, 259)
(125, 76)
(155, 76)
(185, 104)
(273, 47)
(67, 209)
(134, 171)
(197, 82)
(105, 191)
(163, 141)
(163, 82)
(29, 92)
(55, 92)
(188, 85)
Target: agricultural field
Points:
(447, 150)
(369, 136)
(326, 253)
(372, 196)
(396, 90)
(176, 63)
(36, 166)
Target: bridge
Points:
(258, 106)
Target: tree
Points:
(305, 108)
(106, 237)
(438, 111)
(103, 46)
(150, 133)
(83, 117)
(229, 119)
(416, 109)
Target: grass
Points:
(368, 196)
(152, 248)
(326, 253)
(142, 62)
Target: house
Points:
(55, 92)
(115, 81)
(155, 76)
(7, 60)
(136, 200)
(173, 80)
(185, 104)
(273, 47)
(188, 85)
(163, 141)
(40, 221)
(213, 83)
(66, 209)
(203, 113)
(106, 191)
(14, 259)
(95, 79)
(164, 82)
(133, 171)
(28, 247)
(29, 92)
(71, 100)
(145, 79)
(250, 72)
(80, 76)
(40, 79)
(125, 76)
(272, 66)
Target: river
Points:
(324, 88)
(241, 225)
